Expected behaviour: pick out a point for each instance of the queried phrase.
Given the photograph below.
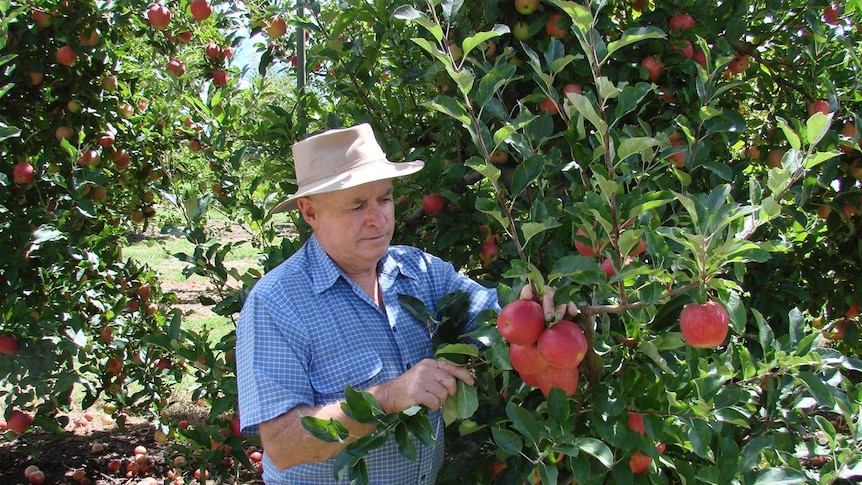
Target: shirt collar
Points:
(324, 271)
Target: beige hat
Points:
(340, 159)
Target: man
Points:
(329, 317)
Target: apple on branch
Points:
(704, 325)
(521, 322)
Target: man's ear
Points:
(308, 210)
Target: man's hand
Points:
(428, 383)
(552, 313)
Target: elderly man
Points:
(329, 317)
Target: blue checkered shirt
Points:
(306, 331)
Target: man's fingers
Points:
(548, 304)
(457, 372)
(526, 292)
(572, 309)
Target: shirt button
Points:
(394, 329)
(409, 366)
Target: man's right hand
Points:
(428, 383)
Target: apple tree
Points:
(645, 189)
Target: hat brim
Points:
(371, 172)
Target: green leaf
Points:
(464, 403)
(526, 172)
(558, 405)
(779, 476)
(451, 9)
(700, 434)
(410, 14)
(415, 307)
(490, 171)
(581, 17)
(7, 132)
(817, 126)
(792, 136)
(419, 426)
(631, 146)
(493, 81)
(329, 430)
(531, 229)
(507, 440)
(361, 406)
(405, 444)
(477, 39)
(524, 421)
(597, 449)
(452, 108)
(818, 389)
(457, 349)
(632, 36)
(817, 158)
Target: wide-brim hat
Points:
(339, 159)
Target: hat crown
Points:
(333, 152)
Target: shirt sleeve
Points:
(272, 371)
(481, 298)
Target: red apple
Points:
(220, 77)
(105, 140)
(43, 19)
(276, 28)
(200, 9)
(699, 57)
(212, 50)
(125, 110)
(235, 428)
(121, 159)
(184, 37)
(852, 310)
(819, 106)
(89, 158)
(115, 366)
(563, 345)
(490, 252)
(636, 423)
(739, 64)
(64, 132)
(35, 77)
(526, 7)
(774, 157)
(8, 344)
(552, 29)
(159, 16)
(176, 67)
(526, 359)
(37, 477)
(66, 56)
(704, 325)
(18, 421)
(90, 38)
(832, 13)
(653, 67)
(684, 47)
(549, 106)
(499, 157)
(582, 248)
(681, 22)
(572, 88)
(109, 83)
(22, 174)
(565, 379)
(433, 203)
(639, 463)
(521, 322)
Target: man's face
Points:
(354, 226)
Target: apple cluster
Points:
(543, 356)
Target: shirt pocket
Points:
(332, 374)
